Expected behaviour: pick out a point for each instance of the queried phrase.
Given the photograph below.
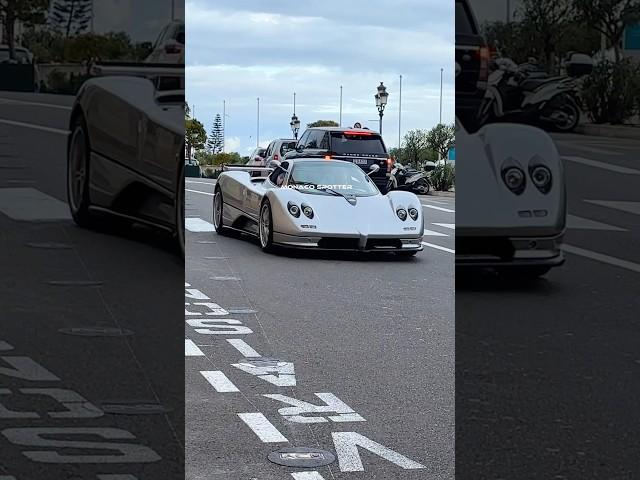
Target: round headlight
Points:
(413, 213)
(293, 209)
(308, 211)
(514, 179)
(402, 214)
(541, 177)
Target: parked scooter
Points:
(515, 95)
(408, 178)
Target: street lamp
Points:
(295, 125)
(381, 101)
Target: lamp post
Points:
(295, 125)
(381, 101)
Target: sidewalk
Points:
(451, 194)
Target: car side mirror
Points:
(375, 168)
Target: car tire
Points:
(179, 213)
(78, 159)
(422, 187)
(218, 217)
(265, 227)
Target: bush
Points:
(443, 177)
(609, 93)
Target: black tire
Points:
(265, 232)
(78, 164)
(425, 187)
(218, 217)
(179, 212)
(411, 253)
(570, 108)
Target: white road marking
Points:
(194, 224)
(297, 409)
(451, 226)
(579, 223)
(243, 347)
(616, 262)
(602, 165)
(29, 204)
(307, 476)
(438, 247)
(35, 127)
(431, 233)
(281, 375)
(589, 148)
(116, 476)
(198, 191)
(202, 183)
(448, 210)
(11, 101)
(347, 443)
(262, 427)
(191, 349)
(629, 207)
(219, 381)
(5, 346)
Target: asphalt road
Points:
(547, 371)
(56, 276)
(373, 336)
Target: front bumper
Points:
(352, 243)
(543, 251)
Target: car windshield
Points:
(287, 147)
(331, 178)
(344, 143)
(464, 24)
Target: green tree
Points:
(71, 17)
(29, 12)
(441, 139)
(414, 147)
(323, 123)
(195, 136)
(215, 143)
(609, 17)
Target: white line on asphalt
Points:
(203, 183)
(579, 223)
(451, 226)
(114, 476)
(629, 207)
(219, 381)
(29, 204)
(9, 101)
(243, 347)
(191, 349)
(262, 427)
(307, 476)
(431, 233)
(195, 224)
(35, 127)
(588, 148)
(602, 165)
(617, 262)
(438, 208)
(438, 247)
(198, 191)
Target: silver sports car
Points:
(513, 191)
(126, 149)
(318, 204)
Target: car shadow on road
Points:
(486, 280)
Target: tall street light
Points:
(258, 126)
(381, 101)
(295, 122)
(441, 72)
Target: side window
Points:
(324, 144)
(269, 148)
(314, 140)
(303, 140)
(273, 178)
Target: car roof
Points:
(345, 129)
(315, 159)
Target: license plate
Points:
(361, 161)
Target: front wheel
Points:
(218, 217)
(78, 153)
(179, 213)
(265, 227)
(422, 187)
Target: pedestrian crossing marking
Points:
(579, 223)
(195, 224)
(628, 207)
(31, 205)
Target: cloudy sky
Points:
(239, 50)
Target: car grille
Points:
(492, 246)
(383, 243)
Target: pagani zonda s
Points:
(318, 204)
(512, 189)
(125, 152)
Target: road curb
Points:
(611, 131)
(442, 194)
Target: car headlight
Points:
(514, 179)
(541, 177)
(307, 210)
(413, 213)
(402, 214)
(293, 209)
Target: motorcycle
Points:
(515, 95)
(407, 178)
